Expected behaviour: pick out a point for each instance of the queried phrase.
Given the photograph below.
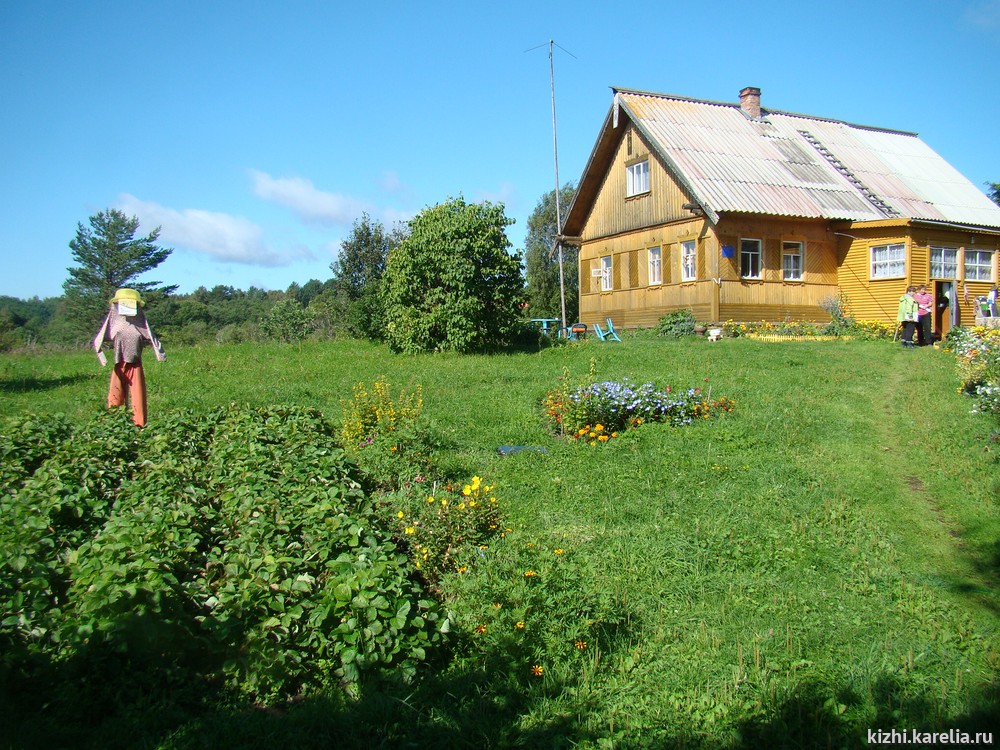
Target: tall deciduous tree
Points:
(541, 260)
(357, 274)
(994, 188)
(109, 256)
(453, 285)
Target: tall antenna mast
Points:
(555, 156)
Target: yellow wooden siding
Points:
(878, 299)
(614, 213)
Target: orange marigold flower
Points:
(480, 629)
(538, 670)
(530, 574)
(580, 645)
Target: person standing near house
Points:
(925, 306)
(128, 331)
(907, 316)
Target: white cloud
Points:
(311, 205)
(222, 236)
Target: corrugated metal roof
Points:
(769, 166)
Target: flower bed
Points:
(867, 330)
(977, 351)
(598, 412)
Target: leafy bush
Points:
(446, 531)
(235, 546)
(387, 436)
(453, 284)
(677, 324)
(287, 321)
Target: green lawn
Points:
(819, 562)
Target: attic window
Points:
(637, 178)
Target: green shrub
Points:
(453, 284)
(235, 546)
(387, 436)
(447, 530)
(676, 324)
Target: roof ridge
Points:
(764, 110)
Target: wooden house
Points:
(743, 213)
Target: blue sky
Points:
(255, 133)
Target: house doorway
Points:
(945, 308)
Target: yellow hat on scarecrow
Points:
(127, 295)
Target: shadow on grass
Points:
(484, 706)
(816, 718)
(476, 708)
(32, 384)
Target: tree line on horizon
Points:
(453, 284)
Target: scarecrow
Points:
(128, 331)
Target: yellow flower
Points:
(519, 625)
(461, 506)
(400, 514)
(462, 569)
(472, 503)
(530, 574)
(409, 530)
(604, 438)
(599, 428)
(430, 499)
(580, 645)
(559, 551)
(480, 629)
(537, 670)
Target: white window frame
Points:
(606, 278)
(655, 257)
(797, 250)
(689, 260)
(978, 265)
(751, 248)
(888, 261)
(637, 178)
(947, 259)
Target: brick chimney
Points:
(750, 102)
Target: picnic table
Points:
(545, 323)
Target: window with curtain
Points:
(606, 273)
(655, 266)
(944, 262)
(888, 261)
(979, 265)
(689, 260)
(792, 254)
